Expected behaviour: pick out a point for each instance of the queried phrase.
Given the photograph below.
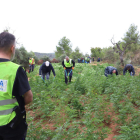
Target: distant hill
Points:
(50, 55)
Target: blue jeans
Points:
(67, 71)
(46, 74)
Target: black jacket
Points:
(109, 69)
(131, 69)
(98, 60)
(70, 67)
(44, 69)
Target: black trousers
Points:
(33, 66)
(19, 133)
(67, 71)
(30, 67)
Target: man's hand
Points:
(64, 68)
(73, 68)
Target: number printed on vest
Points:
(3, 85)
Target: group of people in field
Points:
(15, 91)
(68, 65)
(87, 59)
(111, 70)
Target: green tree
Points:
(62, 57)
(45, 58)
(130, 40)
(96, 52)
(64, 47)
(76, 54)
(109, 54)
(21, 57)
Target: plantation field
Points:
(91, 107)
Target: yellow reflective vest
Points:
(8, 72)
(33, 61)
(30, 61)
(68, 64)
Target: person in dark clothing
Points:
(82, 60)
(16, 94)
(88, 60)
(45, 69)
(68, 65)
(79, 60)
(130, 69)
(98, 60)
(110, 70)
(93, 59)
(30, 65)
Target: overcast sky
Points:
(40, 24)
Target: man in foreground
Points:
(130, 69)
(15, 92)
(110, 70)
(68, 65)
(45, 70)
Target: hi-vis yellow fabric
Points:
(8, 72)
(68, 64)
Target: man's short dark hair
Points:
(128, 67)
(6, 40)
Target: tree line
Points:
(121, 52)
(125, 51)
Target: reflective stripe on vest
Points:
(6, 112)
(8, 101)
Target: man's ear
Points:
(12, 48)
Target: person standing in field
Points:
(93, 59)
(89, 60)
(68, 65)
(98, 60)
(33, 64)
(110, 70)
(45, 70)
(130, 69)
(86, 59)
(30, 64)
(15, 92)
